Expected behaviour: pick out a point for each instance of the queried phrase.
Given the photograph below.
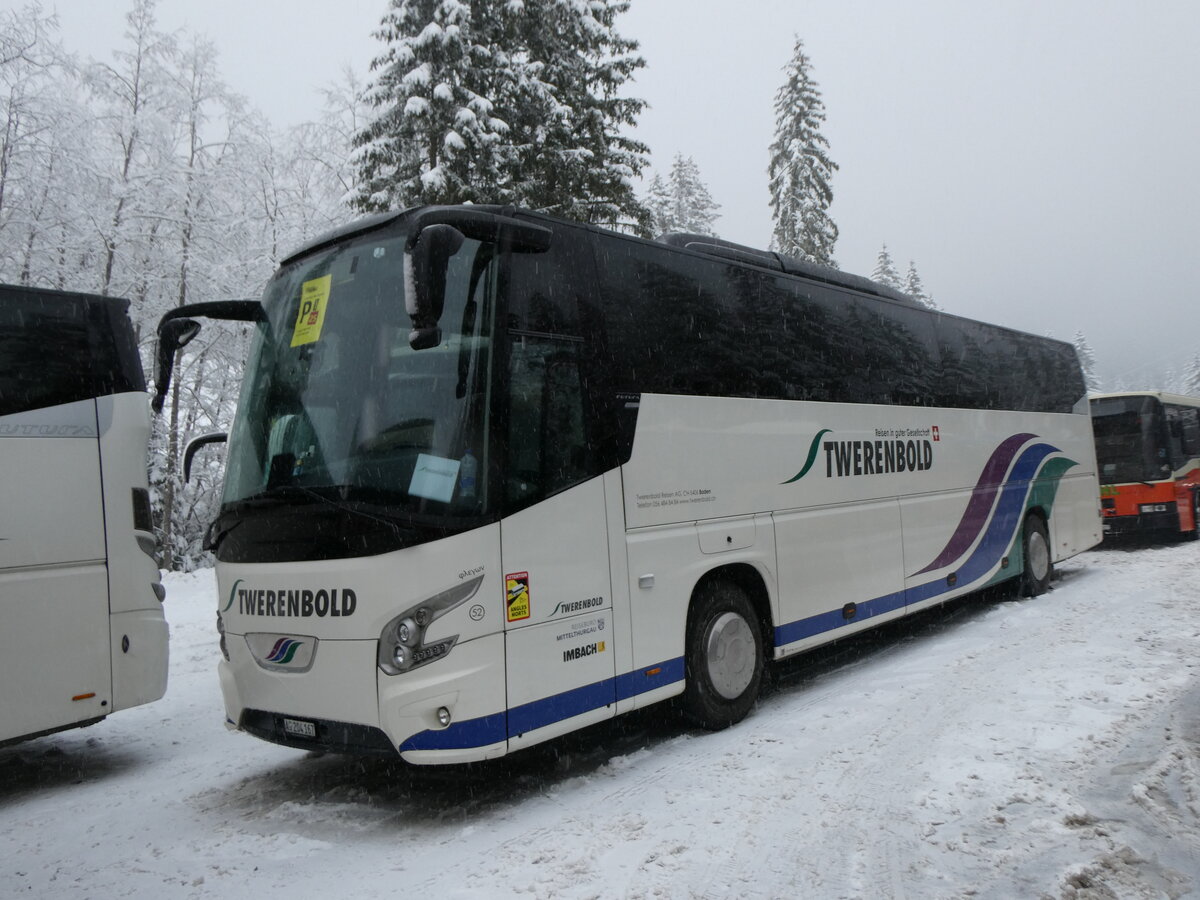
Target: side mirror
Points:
(195, 444)
(176, 330)
(172, 335)
(426, 262)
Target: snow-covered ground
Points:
(995, 748)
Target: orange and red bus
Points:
(1148, 455)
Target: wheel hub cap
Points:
(730, 654)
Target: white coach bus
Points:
(496, 476)
(82, 631)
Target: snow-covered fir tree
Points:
(570, 153)
(1191, 377)
(915, 288)
(1087, 361)
(436, 137)
(800, 169)
(682, 202)
(885, 270)
(512, 101)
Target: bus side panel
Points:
(49, 649)
(1075, 522)
(665, 565)
(839, 571)
(138, 627)
(559, 645)
(53, 585)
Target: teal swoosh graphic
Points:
(812, 455)
(291, 653)
(232, 594)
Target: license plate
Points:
(300, 728)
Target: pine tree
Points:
(1191, 377)
(800, 168)
(885, 270)
(682, 202)
(435, 137)
(569, 152)
(658, 205)
(1087, 362)
(915, 288)
(503, 101)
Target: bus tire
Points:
(723, 657)
(1035, 546)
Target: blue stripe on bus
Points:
(649, 678)
(460, 735)
(540, 713)
(828, 621)
(1006, 521)
(998, 537)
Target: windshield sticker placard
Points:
(314, 298)
(434, 478)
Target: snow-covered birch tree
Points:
(800, 169)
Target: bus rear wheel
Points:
(1035, 543)
(723, 656)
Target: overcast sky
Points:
(1037, 159)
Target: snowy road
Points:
(995, 749)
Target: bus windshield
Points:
(1129, 445)
(336, 406)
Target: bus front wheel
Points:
(1035, 542)
(723, 656)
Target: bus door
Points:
(558, 603)
(54, 623)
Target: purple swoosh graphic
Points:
(980, 504)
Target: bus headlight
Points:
(403, 643)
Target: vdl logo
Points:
(284, 651)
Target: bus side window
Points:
(1191, 431)
(547, 443)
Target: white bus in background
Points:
(82, 631)
(496, 476)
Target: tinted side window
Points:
(678, 324)
(1183, 433)
(987, 367)
(59, 348)
(551, 421)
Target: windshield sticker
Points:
(314, 297)
(434, 478)
(517, 599)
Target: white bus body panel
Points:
(53, 583)
(138, 636)
(852, 524)
(582, 607)
(72, 650)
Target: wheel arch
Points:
(750, 580)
